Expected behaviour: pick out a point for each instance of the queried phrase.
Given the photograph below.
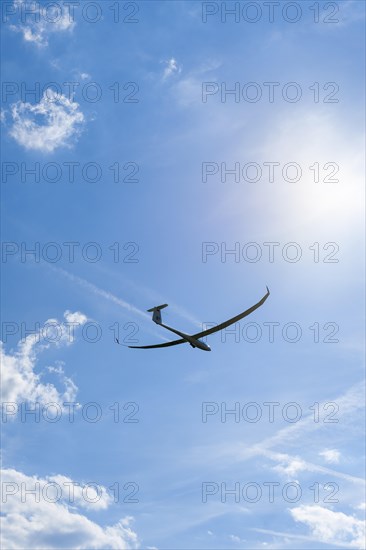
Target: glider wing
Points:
(164, 345)
(233, 320)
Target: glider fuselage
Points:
(195, 342)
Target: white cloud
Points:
(46, 20)
(61, 524)
(82, 495)
(171, 68)
(236, 539)
(330, 455)
(76, 317)
(21, 383)
(61, 121)
(331, 527)
(290, 467)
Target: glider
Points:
(194, 339)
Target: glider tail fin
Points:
(156, 313)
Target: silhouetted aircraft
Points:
(194, 339)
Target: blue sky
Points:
(174, 232)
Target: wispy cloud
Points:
(43, 21)
(288, 464)
(188, 90)
(351, 401)
(288, 537)
(171, 68)
(330, 455)
(327, 526)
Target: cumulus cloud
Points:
(330, 455)
(47, 125)
(58, 519)
(331, 527)
(38, 22)
(76, 317)
(21, 383)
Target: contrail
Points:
(108, 296)
(156, 297)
